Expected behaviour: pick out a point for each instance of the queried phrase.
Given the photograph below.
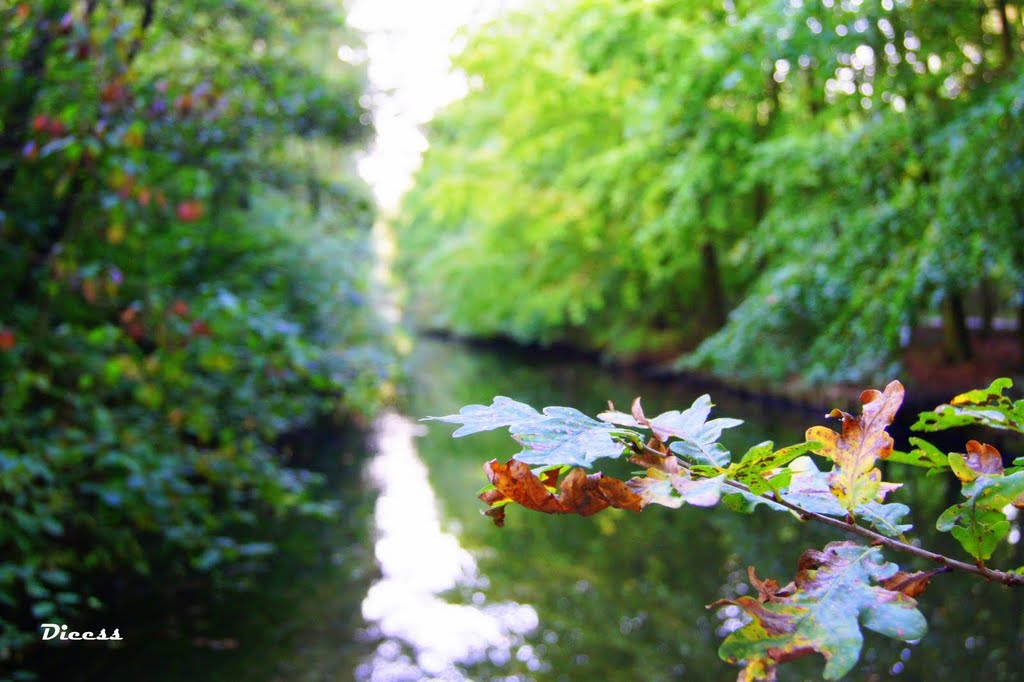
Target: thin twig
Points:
(1004, 577)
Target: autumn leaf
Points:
(981, 459)
(913, 584)
(809, 489)
(836, 592)
(579, 493)
(855, 480)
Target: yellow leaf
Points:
(855, 480)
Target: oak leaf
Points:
(579, 493)
(855, 480)
(981, 459)
(558, 435)
(836, 592)
(980, 407)
(979, 523)
(698, 437)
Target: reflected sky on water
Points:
(422, 635)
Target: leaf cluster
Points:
(837, 591)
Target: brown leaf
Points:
(766, 589)
(668, 463)
(638, 413)
(579, 493)
(497, 515)
(912, 584)
(983, 458)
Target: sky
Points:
(409, 44)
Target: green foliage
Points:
(185, 282)
(688, 175)
(981, 407)
(979, 524)
(836, 591)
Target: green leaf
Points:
(924, 455)
(980, 407)
(836, 592)
(979, 524)
(559, 435)
(756, 467)
(476, 418)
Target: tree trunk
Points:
(988, 307)
(713, 289)
(956, 340)
(1007, 33)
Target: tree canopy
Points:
(773, 188)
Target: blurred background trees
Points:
(185, 258)
(774, 189)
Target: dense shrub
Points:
(184, 251)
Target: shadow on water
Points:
(415, 584)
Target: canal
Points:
(410, 582)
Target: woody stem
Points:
(1004, 577)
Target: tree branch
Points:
(1004, 577)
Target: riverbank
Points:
(929, 380)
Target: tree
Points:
(698, 177)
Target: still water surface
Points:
(421, 586)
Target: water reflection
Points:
(421, 634)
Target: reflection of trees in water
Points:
(622, 596)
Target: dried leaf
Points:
(768, 590)
(579, 493)
(855, 480)
(912, 584)
(836, 592)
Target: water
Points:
(422, 586)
